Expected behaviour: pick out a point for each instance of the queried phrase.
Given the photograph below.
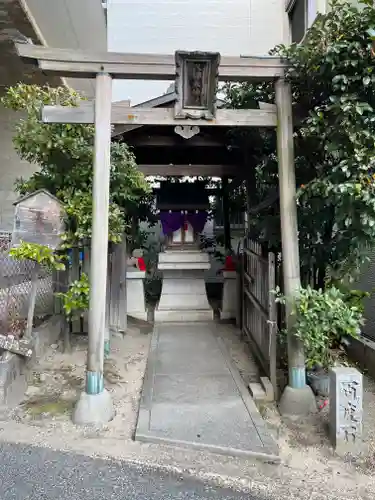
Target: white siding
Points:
(231, 27)
(74, 24)
(11, 167)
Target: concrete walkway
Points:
(194, 397)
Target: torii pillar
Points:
(95, 403)
(298, 398)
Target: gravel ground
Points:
(308, 463)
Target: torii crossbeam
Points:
(125, 115)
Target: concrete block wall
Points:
(11, 167)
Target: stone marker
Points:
(345, 408)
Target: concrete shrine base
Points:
(183, 297)
(229, 303)
(135, 294)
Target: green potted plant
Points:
(153, 279)
(323, 318)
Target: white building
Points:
(76, 24)
(302, 14)
(163, 26)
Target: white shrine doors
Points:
(184, 235)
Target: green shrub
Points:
(322, 320)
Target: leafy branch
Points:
(64, 155)
(76, 299)
(40, 254)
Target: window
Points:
(297, 19)
(312, 11)
(302, 13)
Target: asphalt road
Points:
(30, 473)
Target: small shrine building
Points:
(204, 151)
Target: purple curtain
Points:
(171, 222)
(197, 220)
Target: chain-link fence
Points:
(15, 289)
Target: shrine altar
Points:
(182, 227)
(183, 264)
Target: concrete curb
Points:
(271, 450)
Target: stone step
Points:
(175, 266)
(139, 324)
(183, 256)
(257, 392)
(181, 316)
(267, 388)
(262, 390)
(184, 285)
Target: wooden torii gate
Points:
(196, 75)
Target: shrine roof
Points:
(35, 193)
(159, 149)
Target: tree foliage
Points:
(64, 155)
(76, 299)
(333, 80)
(40, 254)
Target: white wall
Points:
(57, 23)
(11, 167)
(232, 27)
(73, 24)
